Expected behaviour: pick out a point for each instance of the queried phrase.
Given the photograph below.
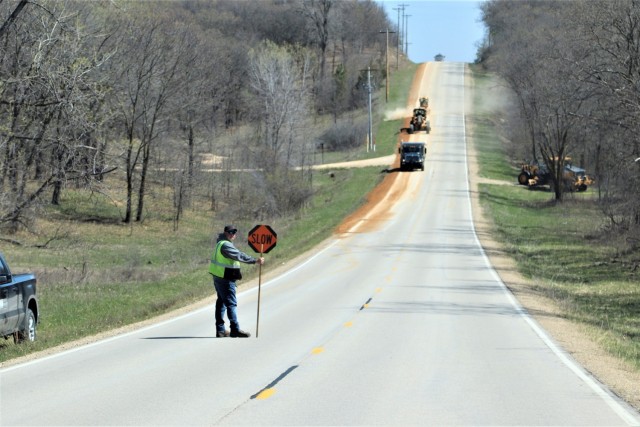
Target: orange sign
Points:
(262, 238)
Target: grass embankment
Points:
(99, 274)
(561, 247)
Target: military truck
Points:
(412, 155)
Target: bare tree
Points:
(13, 16)
(153, 67)
(612, 31)
(277, 77)
(47, 93)
(317, 14)
(539, 65)
(87, 84)
(278, 82)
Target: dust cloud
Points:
(398, 113)
(498, 97)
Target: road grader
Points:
(574, 178)
(419, 121)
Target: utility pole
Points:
(386, 54)
(406, 35)
(399, 44)
(403, 31)
(371, 146)
(402, 24)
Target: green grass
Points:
(385, 132)
(492, 160)
(103, 276)
(561, 247)
(335, 199)
(98, 274)
(401, 81)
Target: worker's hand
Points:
(260, 261)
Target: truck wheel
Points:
(29, 331)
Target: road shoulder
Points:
(618, 375)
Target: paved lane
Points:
(400, 321)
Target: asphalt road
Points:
(400, 321)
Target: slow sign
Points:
(262, 238)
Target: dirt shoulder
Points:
(620, 377)
(616, 374)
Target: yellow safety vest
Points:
(219, 262)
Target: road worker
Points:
(225, 269)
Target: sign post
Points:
(259, 289)
(262, 239)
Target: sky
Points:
(448, 27)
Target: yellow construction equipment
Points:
(574, 178)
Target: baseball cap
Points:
(230, 229)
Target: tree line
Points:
(574, 69)
(107, 96)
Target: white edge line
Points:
(614, 404)
(164, 322)
(596, 386)
(299, 266)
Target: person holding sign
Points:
(225, 269)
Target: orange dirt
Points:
(619, 376)
(392, 186)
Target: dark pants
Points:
(226, 291)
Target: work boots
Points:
(239, 334)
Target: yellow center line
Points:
(270, 391)
(266, 393)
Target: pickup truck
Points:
(18, 304)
